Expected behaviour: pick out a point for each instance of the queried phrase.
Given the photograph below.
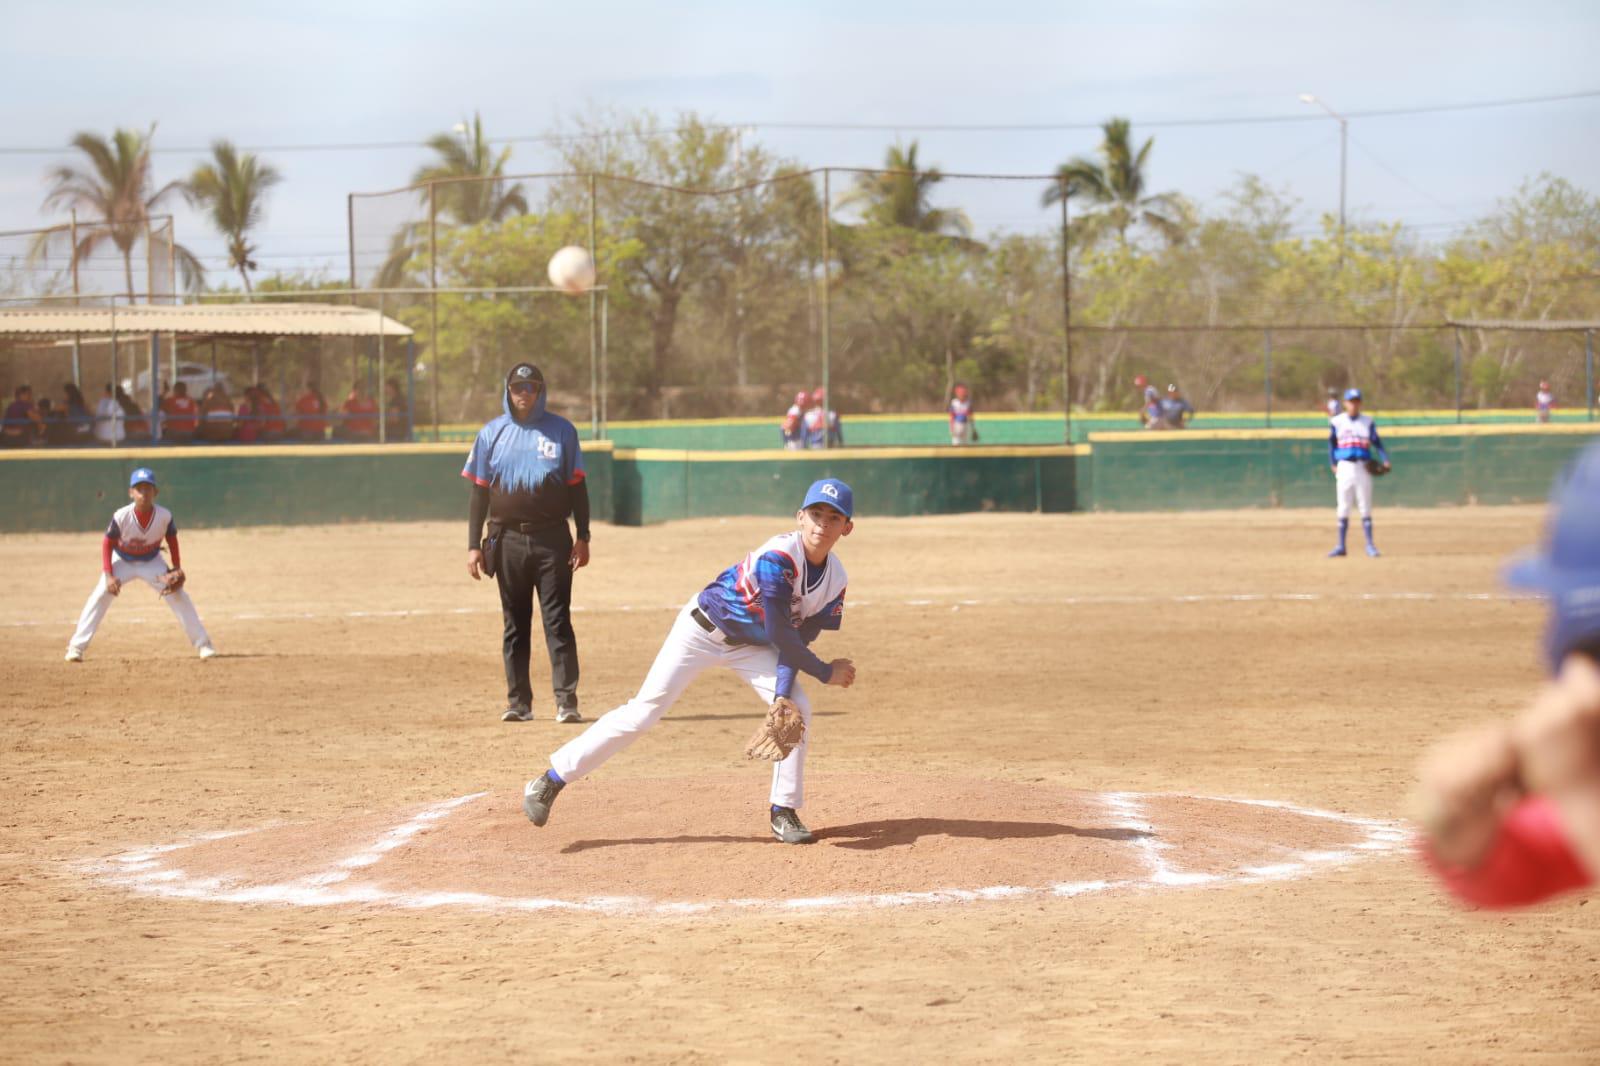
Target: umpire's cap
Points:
(1567, 567)
(524, 373)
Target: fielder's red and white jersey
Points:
(960, 411)
(135, 541)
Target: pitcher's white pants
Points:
(1352, 484)
(149, 572)
(688, 652)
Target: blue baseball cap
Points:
(834, 493)
(1567, 566)
(1352, 394)
(142, 476)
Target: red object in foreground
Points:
(1529, 861)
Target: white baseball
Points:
(572, 270)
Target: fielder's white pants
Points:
(688, 652)
(960, 433)
(126, 571)
(1353, 484)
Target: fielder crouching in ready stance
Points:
(758, 619)
(1356, 455)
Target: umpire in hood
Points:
(527, 479)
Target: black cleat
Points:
(539, 796)
(517, 714)
(787, 827)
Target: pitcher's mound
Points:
(697, 844)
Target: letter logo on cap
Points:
(830, 491)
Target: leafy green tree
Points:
(114, 184)
(900, 195)
(1114, 187)
(232, 189)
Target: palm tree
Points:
(899, 196)
(1115, 187)
(232, 188)
(115, 186)
(483, 195)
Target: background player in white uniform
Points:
(963, 426)
(1352, 441)
(1543, 401)
(131, 550)
(757, 618)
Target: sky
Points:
(296, 73)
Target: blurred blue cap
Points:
(1352, 394)
(1567, 566)
(834, 493)
(142, 476)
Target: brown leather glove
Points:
(779, 732)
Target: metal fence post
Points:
(1266, 372)
(383, 391)
(827, 319)
(77, 338)
(1457, 333)
(433, 301)
(1066, 311)
(594, 315)
(1588, 370)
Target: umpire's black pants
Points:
(538, 563)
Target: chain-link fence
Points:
(888, 287)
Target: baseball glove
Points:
(779, 732)
(172, 581)
(1377, 467)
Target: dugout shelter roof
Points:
(235, 319)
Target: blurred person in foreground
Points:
(1510, 812)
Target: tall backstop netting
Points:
(888, 287)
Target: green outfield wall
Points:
(1193, 470)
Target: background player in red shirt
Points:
(309, 407)
(180, 414)
(1511, 811)
(360, 411)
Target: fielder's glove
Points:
(779, 733)
(172, 581)
(1377, 467)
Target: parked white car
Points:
(197, 376)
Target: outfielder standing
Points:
(757, 618)
(963, 424)
(1352, 443)
(131, 549)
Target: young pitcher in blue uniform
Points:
(758, 619)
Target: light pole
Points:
(1344, 139)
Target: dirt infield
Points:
(1045, 704)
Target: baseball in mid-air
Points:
(572, 270)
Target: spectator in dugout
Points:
(180, 415)
(24, 427)
(1510, 812)
(75, 413)
(217, 420)
(260, 418)
(136, 421)
(360, 411)
(310, 412)
(394, 412)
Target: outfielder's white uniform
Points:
(733, 601)
(1351, 442)
(137, 556)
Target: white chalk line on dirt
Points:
(952, 604)
(147, 871)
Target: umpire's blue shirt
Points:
(529, 467)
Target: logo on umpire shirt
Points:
(549, 449)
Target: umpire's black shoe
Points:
(539, 796)
(787, 827)
(517, 714)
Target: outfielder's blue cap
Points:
(142, 476)
(1352, 394)
(1567, 568)
(834, 493)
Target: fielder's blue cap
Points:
(1352, 394)
(1567, 567)
(142, 476)
(834, 493)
